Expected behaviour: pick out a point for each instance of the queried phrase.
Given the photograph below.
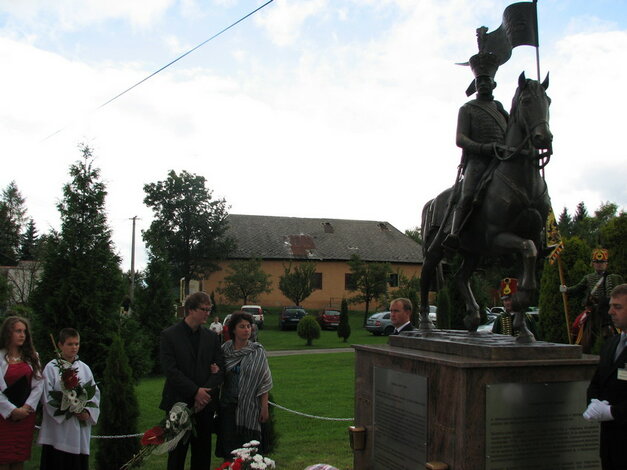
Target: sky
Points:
(340, 109)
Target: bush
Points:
(308, 328)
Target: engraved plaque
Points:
(400, 420)
(539, 426)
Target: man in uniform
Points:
(504, 323)
(597, 287)
(481, 125)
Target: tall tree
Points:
(12, 214)
(189, 227)
(297, 283)
(81, 284)
(245, 280)
(370, 280)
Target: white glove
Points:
(598, 411)
(563, 288)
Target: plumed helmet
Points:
(600, 255)
(509, 286)
(484, 64)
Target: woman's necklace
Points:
(14, 359)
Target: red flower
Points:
(224, 465)
(70, 379)
(154, 436)
(237, 464)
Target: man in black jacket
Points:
(187, 351)
(607, 393)
(400, 315)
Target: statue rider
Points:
(481, 126)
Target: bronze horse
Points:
(510, 209)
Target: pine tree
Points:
(81, 284)
(28, 243)
(344, 328)
(12, 213)
(155, 303)
(119, 410)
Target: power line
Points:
(172, 62)
(187, 53)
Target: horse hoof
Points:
(472, 322)
(526, 339)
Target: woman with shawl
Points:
(244, 398)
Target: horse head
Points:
(530, 111)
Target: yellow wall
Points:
(330, 295)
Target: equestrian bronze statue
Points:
(507, 211)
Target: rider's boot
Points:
(452, 239)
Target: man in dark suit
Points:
(607, 393)
(400, 314)
(187, 351)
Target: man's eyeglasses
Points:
(204, 309)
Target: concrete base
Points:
(458, 367)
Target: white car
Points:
(257, 312)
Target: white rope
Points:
(122, 436)
(126, 436)
(309, 416)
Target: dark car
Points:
(328, 318)
(290, 316)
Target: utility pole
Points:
(132, 293)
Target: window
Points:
(349, 282)
(393, 280)
(316, 280)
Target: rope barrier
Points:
(309, 416)
(126, 436)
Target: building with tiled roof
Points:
(330, 243)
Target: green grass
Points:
(320, 385)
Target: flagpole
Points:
(560, 269)
(535, 14)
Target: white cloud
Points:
(72, 15)
(284, 20)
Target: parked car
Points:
(328, 318)
(257, 312)
(290, 316)
(433, 313)
(380, 324)
(226, 330)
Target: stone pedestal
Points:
(456, 368)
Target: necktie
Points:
(621, 345)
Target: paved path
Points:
(295, 352)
